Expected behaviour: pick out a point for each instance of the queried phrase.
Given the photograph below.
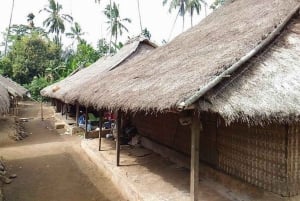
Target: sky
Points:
(155, 17)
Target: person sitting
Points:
(81, 121)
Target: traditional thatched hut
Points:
(4, 100)
(13, 88)
(235, 77)
(16, 91)
(68, 89)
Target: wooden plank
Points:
(194, 177)
(118, 137)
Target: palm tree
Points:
(181, 4)
(9, 25)
(186, 5)
(116, 26)
(194, 5)
(55, 21)
(76, 33)
(30, 18)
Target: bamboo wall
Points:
(256, 155)
(293, 164)
(266, 157)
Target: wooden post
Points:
(195, 141)
(67, 106)
(119, 117)
(100, 127)
(86, 122)
(42, 112)
(77, 113)
(62, 108)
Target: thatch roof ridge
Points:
(69, 89)
(175, 72)
(4, 100)
(266, 89)
(12, 87)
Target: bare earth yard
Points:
(50, 166)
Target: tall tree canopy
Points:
(116, 23)
(185, 6)
(55, 21)
(29, 57)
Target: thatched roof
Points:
(266, 89)
(4, 100)
(175, 72)
(12, 87)
(70, 88)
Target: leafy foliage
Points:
(116, 23)
(29, 57)
(36, 85)
(217, 3)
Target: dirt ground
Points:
(50, 166)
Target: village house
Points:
(225, 92)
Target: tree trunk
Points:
(191, 17)
(110, 40)
(138, 4)
(8, 31)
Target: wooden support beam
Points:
(100, 127)
(195, 141)
(67, 105)
(119, 117)
(86, 122)
(62, 108)
(77, 113)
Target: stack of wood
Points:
(20, 132)
(5, 178)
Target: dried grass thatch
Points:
(72, 87)
(4, 100)
(175, 72)
(12, 87)
(266, 89)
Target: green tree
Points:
(55, 21)
(116, 23)
(84, 56)
(36, 85)
(181, 5)
(30, 56)
(185, 6)
(217, 3)
(76, 33)
(30, 18)
(146, 33)
(194, 5)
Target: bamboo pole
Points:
(195, 141)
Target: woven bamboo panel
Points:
(256, 155)
(293, 165)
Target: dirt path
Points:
(52, 167)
